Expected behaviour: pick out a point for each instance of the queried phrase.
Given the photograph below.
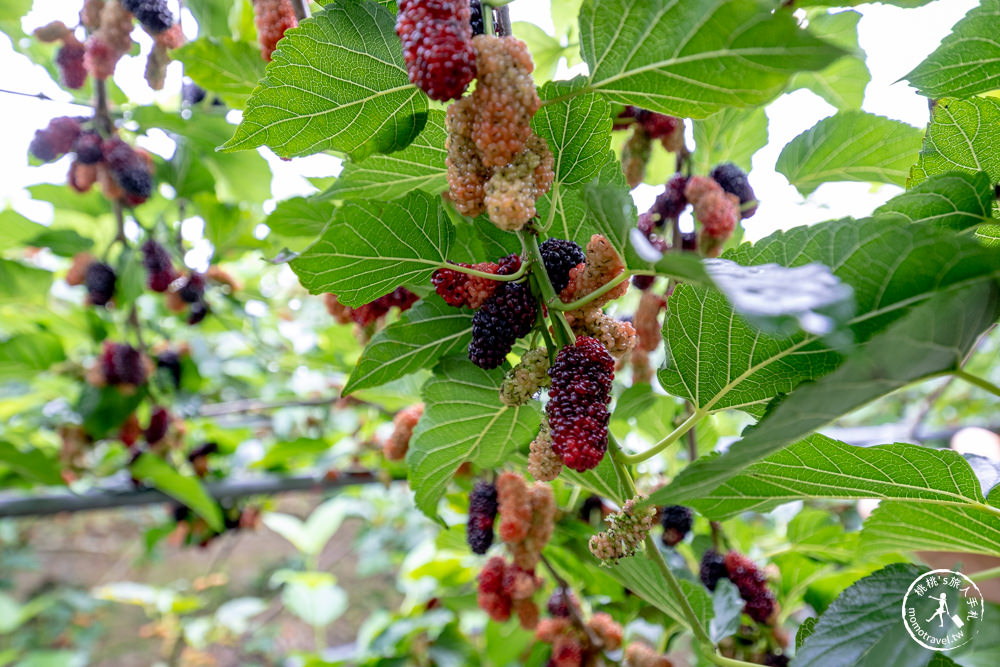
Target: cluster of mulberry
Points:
(543, 463)
(56, 139)
(69, 57)
(495, 162)
(524, 380)
(635, 156)
(152, 14)
(131, 170)
(437, 46)
(561, 602)
(618, 336)
(560, 256)
(527, 517)
(110, 41)
(752, 584)
(506, 316)
(505, 587)
(639, 654)
(198, 458)
(712, 569)
(626, 531)
(734, 181)
(159, 423)
(398, 442)
(159, 266)
(578, 399)
(607, 629)
(668, 130)
(371, 312)
(272, 18)
(100, 280)
(463, 290)
(482, 514)
(676, 521)
(188, 294)
(574, 645)
(646, 320)
(714, 208)
(602, 264)
(120, 365)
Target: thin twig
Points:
(574, 612)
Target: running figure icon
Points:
(941, 610)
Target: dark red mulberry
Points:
(752, 584)
(670, 203)
(129, 169)
(560, 602)
(272, 18)
(506, 316)
(578, 403)
(676, 521)
(437, 46)
(159, 422)
(482, 514)
(55, 139)
(159, 267)
(368, 313)
(69, 59)
(122, 364)
(734, 181)
(467, 291)
(491, 597)
(88, 147)
(152, 14)
(100, 282)
(199, 311)
(193, 289)
(560, 256)
(192, 93)
(713, 568)
(776, 660)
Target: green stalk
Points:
(557, 304)
(982, 383)
(674, 436)
(563, 332)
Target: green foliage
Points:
(186, 490)
(843, 82)
(225, 66)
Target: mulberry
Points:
(100, 281)
(667, 129)
(559, 257)
(130, 431)
(549, 629)
(130, 169)
(476, 17)
(561, 602)
(156, 66)
(193, 288)
(337, 310)
(490, 595)
(527, 613)
(506, 316)
(670, 203)
(482, 514)
(734, 181)
(122, 364)
(152, 14)
(55, 31)
(609, 631)
(524, 380)
(639, 654)
(511, 192)
(159, 267)
(272, 18)
(776, 660)
(642, 370)
(369, 313)
(77, 273)
(577, 408)
(567, 651)
(87, 147)
(635, 156)
(90, 15)
(171, 38)
(404, 422)
(752, 584)
(100, 57)
(69, 59)
(515, 507)
(618, 336)
(467, 175)
(676, 521)
(198, 312)
(715, 209)
(81, 177)
(463, 290)
(602, 265)
(437, 47)
(192, 93)
(55, 139)
(646, 320)
(505, 99)
(198, 457)
(543, 463)
(543, 513)
(712, 568)
(626, 531)
(171, 362)
(159, 423)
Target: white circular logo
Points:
(942, 610)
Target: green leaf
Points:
(820, 467)
(897, 526)
(373, 247)
(31, 464)
(843, 83)
(418, 339)
(21, 283)
(564, 209)
(337, 82)
(731, 135)
(931, 338)
(578, 131)
(16, 229)
(850, 146)
(863, 627)
(640, 575)
(546, 51)
(300, 216)
(968, 60)
(691, 58)
(602, 480)
(212, 17)
(806, 629)
(464, 421)
(223, 66)
(719, 361)
(62, 242)
(963, 136)
(156, 472)
(104, 409)
(954, 201)
(30, 353)
(727, 609)
(419, 166)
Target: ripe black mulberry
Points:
(482, 514)
(578, 403)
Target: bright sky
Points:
(895, 41)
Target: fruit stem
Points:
(533, 254)
(982, 383)
(671, 438)
(556, 304)
(517, 275)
